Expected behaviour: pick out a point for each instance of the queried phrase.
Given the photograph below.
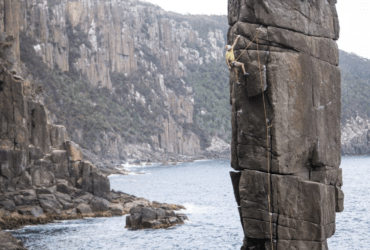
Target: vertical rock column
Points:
(294, 88)
(11, 25)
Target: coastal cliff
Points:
(43, 174)
(116, 74)
(130, 81)
(40, 167)
(286, 133)
(355, 98)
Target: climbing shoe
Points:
(246, 74)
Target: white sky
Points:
(354, 17)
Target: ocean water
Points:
(353, 224)
(204, 187)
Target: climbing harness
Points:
(268, 127)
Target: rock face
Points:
(356, 137)
(98, 40)
(8, 242)
(286, 122)
(43, 175)
(40, 170)
(30, 156)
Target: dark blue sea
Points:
(204, 187)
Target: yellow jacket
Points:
(230, 55)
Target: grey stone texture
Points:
(153, 218)
(74, 151)
(39, 168)
(84, 209)
(99, 204)
(58, 135)
(9, 242)
(300, 82)
(50, 204)
(116, 209)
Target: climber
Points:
(230, 58)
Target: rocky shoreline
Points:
(114, 166)
(43, 175)
(14, 217)
(75, 207)
(9, 242)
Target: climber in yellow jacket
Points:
(230, 58)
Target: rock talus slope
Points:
(296, 159)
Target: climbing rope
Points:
(267, 144)
(267, 129)
(254, 38)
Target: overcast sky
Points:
(354, 17)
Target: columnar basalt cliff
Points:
(289, 160)
(43, 174)
(114, 72)
(40, 167)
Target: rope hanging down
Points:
(267, 130)
(254, 38)
(267, 146)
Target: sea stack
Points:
(286, 141)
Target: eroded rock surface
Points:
(295, 158)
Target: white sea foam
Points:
(202, 160)
(192, 208)
(143, 165)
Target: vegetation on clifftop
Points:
(211, 88)
(77, 104)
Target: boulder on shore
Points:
(153, 218)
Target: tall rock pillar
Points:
(10, 13)
(286, 122)
(9, 33)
